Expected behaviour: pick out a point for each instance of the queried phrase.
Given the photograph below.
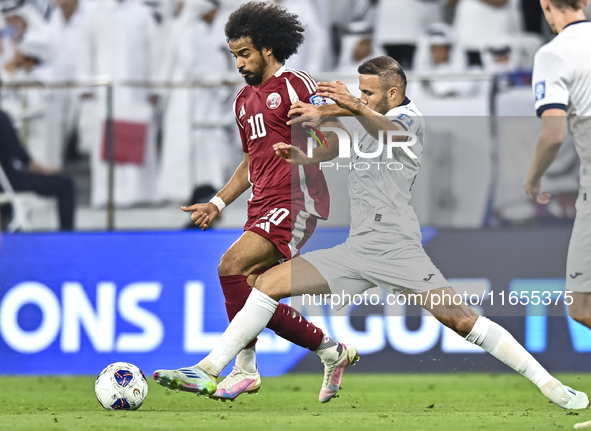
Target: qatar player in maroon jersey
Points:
(287, 200)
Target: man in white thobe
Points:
(64, 36)
(117, 43)
(195, 150)
(315, 53)
(399, 40)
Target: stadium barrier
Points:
(109, 86)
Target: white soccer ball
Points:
(121, 386)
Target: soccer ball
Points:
(121, 386)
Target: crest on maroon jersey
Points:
(273, 101)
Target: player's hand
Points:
(202, 215)
(339, 93)
(290, 153)
(532, 188)
(305, 114)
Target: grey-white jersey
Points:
(379, 187)
(562, 80)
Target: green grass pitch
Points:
(367, 402)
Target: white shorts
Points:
(578, 262)
(392, 262)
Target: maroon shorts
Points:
(287, 226)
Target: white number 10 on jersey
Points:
(258, 126)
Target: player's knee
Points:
(461, 324)
(577, 317)
(578, 313)
(229, 266)
(269, 288)
(262, 285)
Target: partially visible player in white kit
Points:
(562, 88)
(384, 245)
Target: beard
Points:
(382, 107)
(255, 78)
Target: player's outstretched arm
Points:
(295, 156)
(203, 215)
(554, 131)
(373, 122)
(312, 115)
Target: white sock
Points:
(497, 341)
(246, 360)
(244, 328)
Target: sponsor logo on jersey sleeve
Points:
(273, 101)
(317, 100)
(406, 119)
(242, 112)
(540, 90)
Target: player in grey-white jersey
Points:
(380, 188)
(562, 89)
(384, 248)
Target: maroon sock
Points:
(236, 291)
(288, 323)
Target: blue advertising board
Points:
(71, 303)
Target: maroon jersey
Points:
(261, 113)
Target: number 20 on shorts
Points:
(276, 216)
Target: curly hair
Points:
(268, 26)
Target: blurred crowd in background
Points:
(174, 81)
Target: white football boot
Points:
(238, 382)
(190, 379)
(333, 372)
(567, 398)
